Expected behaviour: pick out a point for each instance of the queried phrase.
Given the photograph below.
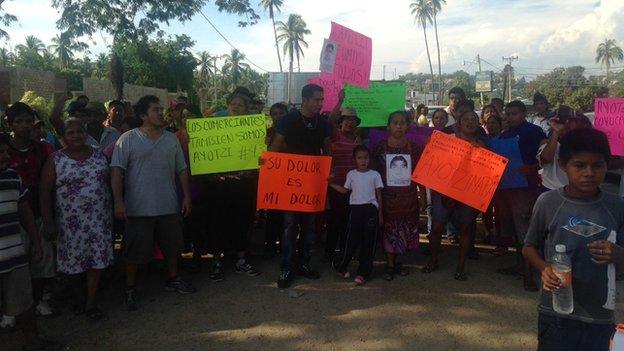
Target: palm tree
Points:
(205, 71)
(422, 11)
(272, 6)
(437, 7)
(204, 66)
(292, 33)
(607, 53)
(32, 44)
(6, 57)
(234, 66)
(63, 48)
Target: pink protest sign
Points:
(610, 119)
(354, 56)
(331, 87)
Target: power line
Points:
(230, 43)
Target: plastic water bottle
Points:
(617, 343)
(562, 298)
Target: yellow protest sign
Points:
(225, 144)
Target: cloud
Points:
(543, 33)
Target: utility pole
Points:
(479, 63)
(509, 61)
(384, 72)
(395, 76)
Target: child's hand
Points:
(605, 252)
(331, 178)
(261, 161)
(550, 280)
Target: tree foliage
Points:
(5, 21)
(292, 33)
(137, 19)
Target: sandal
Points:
(94, 314)
(400, 270)
(499, 251)
(389, 273)
(461, 276)
(430, 268)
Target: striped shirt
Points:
(12, 252)
(342, 156)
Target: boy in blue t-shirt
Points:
(590, 223)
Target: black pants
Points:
(273, 228)
(362, 233)
(231, 213)
(337, 218)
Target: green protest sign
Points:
(375, 103)
(225, 144)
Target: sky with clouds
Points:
(542, 33)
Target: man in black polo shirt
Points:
(302, 132)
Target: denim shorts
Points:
(564, 334)
(443, 211)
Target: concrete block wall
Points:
(102, 91)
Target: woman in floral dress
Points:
(80, 215)
(395, 159)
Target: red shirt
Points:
(28, 164)
(342, 156)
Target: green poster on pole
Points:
(225, 144)
(375, 103)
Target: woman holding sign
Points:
(446, 209)
(344, 140)
(233, 195)
(395, 159)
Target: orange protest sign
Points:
(293, 182)
(459, 170)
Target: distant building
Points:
(278, 86)
(415, 98)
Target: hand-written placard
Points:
(459, 170)
(610, 120)
(354, 56)
(419, 136)
(509, 148)
(293, 182)
(375, 103)
(331, 89)
(225, 144)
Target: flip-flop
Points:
(400, 270)
(461, 276)
(389, 273)
(95, 314)
(430, 268)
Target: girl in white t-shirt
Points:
(365, 215)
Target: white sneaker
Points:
(44, 309)
(7, 322)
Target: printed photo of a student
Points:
(328, 56)
(398, 171)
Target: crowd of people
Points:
(124, 172)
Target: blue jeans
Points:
(289, 238)
(562, 334)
